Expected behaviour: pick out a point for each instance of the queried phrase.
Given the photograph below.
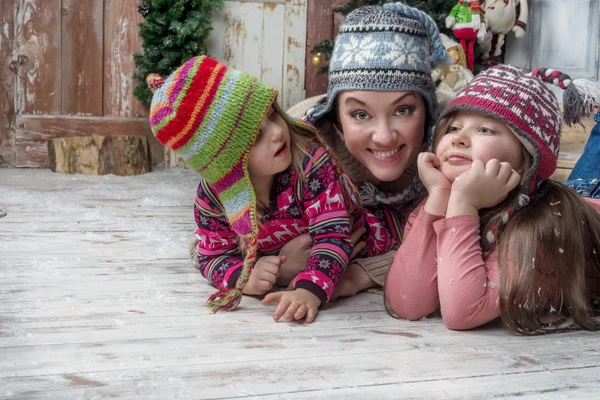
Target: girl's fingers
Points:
(310, 316)
(505, 171)
(477, 166)
(357, 249)
(264, 284)
(301, 312)
(357, 234)
(283, 305)
(271, 269)
(492, 167)
(272, 298)
(291, 310)
(269, 277)
(513, 180)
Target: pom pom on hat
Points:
(154, 82)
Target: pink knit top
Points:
(440, 263)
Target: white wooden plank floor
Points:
(99, 300)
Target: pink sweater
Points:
(440, 263)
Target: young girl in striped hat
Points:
(266, 178)
(496, 237)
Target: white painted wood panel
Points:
(266, 38)
(564, 35)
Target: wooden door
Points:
(322, 23)
(8, 67)
(70, 68)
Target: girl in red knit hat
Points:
(496, 237)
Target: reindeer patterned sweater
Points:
(312, 203)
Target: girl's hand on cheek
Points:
(431, 176)
(482, 186)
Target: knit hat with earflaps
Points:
(391, 48)
(527, 106)
(386, 48)
(210, 115)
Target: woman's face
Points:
(383, 130)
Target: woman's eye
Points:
(360, 115)
(403, 111)
(487, 131)
(453, 129)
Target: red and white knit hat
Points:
(527, 106)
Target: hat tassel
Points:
(580, 99)
(227, 299)
(224, 299)
(580, 96)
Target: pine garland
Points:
(173, 31)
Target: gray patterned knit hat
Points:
(388, 48)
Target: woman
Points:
(378, 115)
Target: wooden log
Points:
(100, 155)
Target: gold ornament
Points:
(317, 59)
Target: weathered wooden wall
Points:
(7, 83)
(67, 70)
(323, 23)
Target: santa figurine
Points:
(466, 21)
(501, 18)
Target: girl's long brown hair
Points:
(548, 258)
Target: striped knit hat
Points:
(211, 114)
(527, 106)
(392, 48)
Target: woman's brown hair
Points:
(548, 257)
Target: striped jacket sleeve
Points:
(329, 227)
(219, 256)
